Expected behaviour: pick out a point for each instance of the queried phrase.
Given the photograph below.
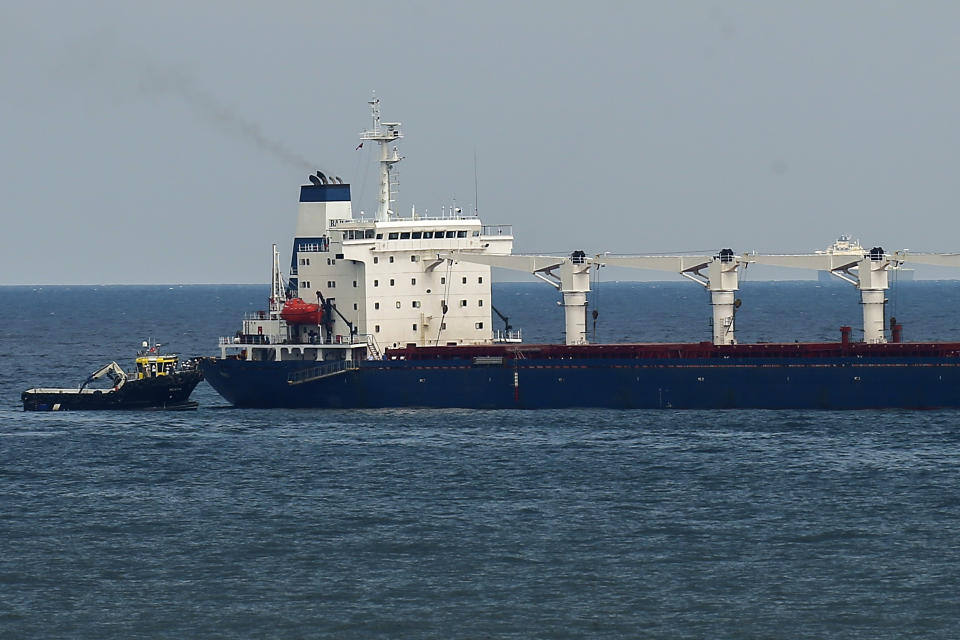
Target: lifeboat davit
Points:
(296, 311)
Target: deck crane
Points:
(721, 280)
(117, 375)
(569, 274)
(868, 271)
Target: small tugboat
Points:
(159, 381)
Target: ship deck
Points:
(669, 351)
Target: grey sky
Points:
(164, 142)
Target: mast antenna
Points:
(276, 283)
(383, 133)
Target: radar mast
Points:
(384, 133)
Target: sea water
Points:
(225, 523)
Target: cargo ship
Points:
(158, 381)
(396, 311)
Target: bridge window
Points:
(427, 235)
(416, 235)
(405, 235)
(379, 236)
(451, 234)
(393, 236)
(461, 234)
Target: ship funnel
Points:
(338, 179)
(315, 180)
(322, 177)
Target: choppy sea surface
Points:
(225, 523)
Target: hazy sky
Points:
(165, 142)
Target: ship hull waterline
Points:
(745, 383)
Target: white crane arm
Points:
(113, 370)
(530, 263)
(937, 259)
(817, 261)
(676, 264)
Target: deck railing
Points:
(322, 371)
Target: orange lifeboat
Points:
(296, 311)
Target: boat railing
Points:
(277, 339)
(251, 339)
(512, 335)
(373, 349)
(258, 315)
(496, 230)
(321, 371)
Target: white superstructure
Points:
(385, 281)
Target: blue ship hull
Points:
(852, 381)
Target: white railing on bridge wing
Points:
(312, 247)
(496, 230)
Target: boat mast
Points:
(277, 295)
(384, 133)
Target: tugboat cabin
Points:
(154, 365)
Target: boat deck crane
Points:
(570, 275)
(721, 280)
(868, 271)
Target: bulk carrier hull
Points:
(662, 376)
(403, 319)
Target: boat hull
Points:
(170, 392)
(844, 382)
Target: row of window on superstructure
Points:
(415, 304)
(443, 280)
(367, 234)
(443, 326)
(426, 235)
